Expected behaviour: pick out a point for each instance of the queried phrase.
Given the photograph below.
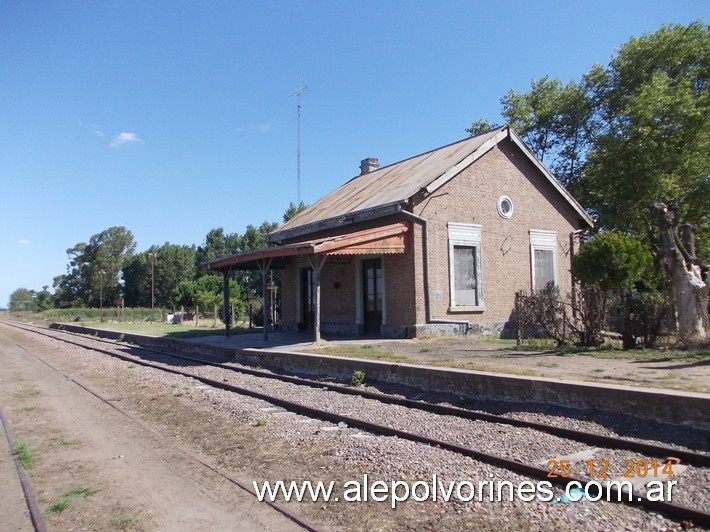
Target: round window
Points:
(505, 207)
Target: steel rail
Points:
(696, 516)
(237, 482)
(690, 457)
(610, 442)
(30, 500)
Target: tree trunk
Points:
(627, 339)
(686, 271)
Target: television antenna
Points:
(297, 94)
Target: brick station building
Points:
(436, 244)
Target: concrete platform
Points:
(279, 353)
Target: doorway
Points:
(372, 284)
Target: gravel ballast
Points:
(390, 459)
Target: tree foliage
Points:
(176, 274)
(95, 269)
(479, 127)
(554, 120)
(22, 300)
(612, 261)
(172, 264)
(630, 134)
(652, 104)
(627, 136)
(293, 210)
(217, 244)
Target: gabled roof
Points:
(386, 190)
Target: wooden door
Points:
(372, 295)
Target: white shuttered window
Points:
(543, 251)
(465, 265)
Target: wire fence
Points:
(117, 314)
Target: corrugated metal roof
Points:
(388, 239)
(389, 184)
(383, 191)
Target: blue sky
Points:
(173, 118)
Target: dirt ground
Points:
(647, 368)
(114, 471)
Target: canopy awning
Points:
(389, 239)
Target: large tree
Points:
(217, 244)
(94, 269)
(631, 135)
(652, 104)
(555, 121)
(688, 274)
(22, 300)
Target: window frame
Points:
(544, 241)
(466, 236)
(499, 207)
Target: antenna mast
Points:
(297, 94)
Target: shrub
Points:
(358, 379)
(543, 310)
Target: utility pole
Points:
(101, 296)
(152, 285)
(297, 94)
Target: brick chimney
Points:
(368, 165)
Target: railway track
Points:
(534, 470)
(34, 511)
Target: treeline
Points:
(107, 271)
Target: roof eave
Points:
(339, 221)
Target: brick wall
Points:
(471, 197)
(338, 289)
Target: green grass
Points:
(124, 521)
(65, 502)
(25, 455)
(27, 392)
(56, 442)
(82, 492)
(649, 355)
(606, 352)
(365, 351)
(61, 505)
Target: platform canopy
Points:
(388, 239)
